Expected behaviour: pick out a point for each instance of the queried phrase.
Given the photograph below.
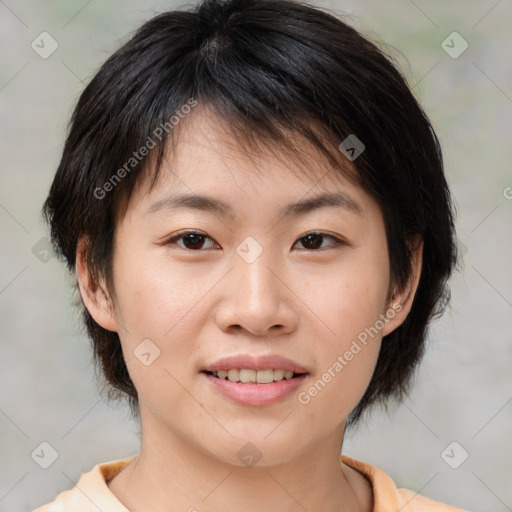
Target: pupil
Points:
(193, 239)
(314, 238)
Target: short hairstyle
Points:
(270, 70)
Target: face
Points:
(302, 289)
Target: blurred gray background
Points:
(463, 391)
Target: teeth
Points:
(278, 374)
(259, 376)
(247, 375)
(233, 375)
(264, 376)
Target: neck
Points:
(170, 475)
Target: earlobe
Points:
(400, 303)
(93, 294)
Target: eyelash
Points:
(181, 235)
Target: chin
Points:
(259, 448)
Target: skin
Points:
(307, 305)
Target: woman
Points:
(255, 208)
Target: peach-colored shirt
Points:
(91, 493)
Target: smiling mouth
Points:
(248, 376)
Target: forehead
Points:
(207, 167)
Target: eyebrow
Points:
(216, 206)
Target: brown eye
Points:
(195, 241)
(314, 240)
(192, 240)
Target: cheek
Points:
(162, 304)
(161, 311)
(348, 302)
(157, 299)
(348, 297)
(346, 354)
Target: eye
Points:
(194, 240)
(313, 240)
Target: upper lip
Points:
(253, 362)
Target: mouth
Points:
(254, 380)
(250, 376)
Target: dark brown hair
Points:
(268, 69)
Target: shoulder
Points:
(91, 492)
(388, 498)
(418, 503)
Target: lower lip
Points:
(249, 393)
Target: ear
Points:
(93, 294)
(399, 304)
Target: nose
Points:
(257, 298)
